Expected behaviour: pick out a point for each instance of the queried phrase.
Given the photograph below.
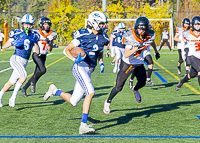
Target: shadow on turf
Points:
(57, 102)
(149, 111)
(165, 85)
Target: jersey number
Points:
(44, 45)
(95, 47)
(26, 44)
(197, 46)
(119, 40)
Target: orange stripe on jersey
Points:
(176, 29)
(42, 40)
(123, 41)
(136, 38)
(40, 31)
(185, 28)
(191, 32)
(186, 39)
(128, 68)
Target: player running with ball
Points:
(91, 40)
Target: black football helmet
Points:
(195, 20)
(187, 21)
(142, 23)
(45, 20)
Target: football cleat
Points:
(24, 92)
(137, 95)
(179, 85)
(131, 83)
(52, 90)
(115, 70)
(149, 82)
(179, 69)
(12, 102)
(1, 104)
(106, 109)
(85, 129)
(32, 87)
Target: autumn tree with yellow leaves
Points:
(66, 17)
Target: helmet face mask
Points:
(196, 23)
(141, 26)
(43, 25)
(186, 23)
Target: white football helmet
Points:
(121, 26)
(96, 18)
(27, 18)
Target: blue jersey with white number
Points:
(117, 41)
(92, 44)
(23, 42)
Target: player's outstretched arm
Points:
(7, 44)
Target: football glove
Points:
(102, 67)
(47, 40)
(157, 55)
(79, 58)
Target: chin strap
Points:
(26, 30)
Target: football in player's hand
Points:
(75, 51)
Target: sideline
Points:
(176, 77)
(106, 136)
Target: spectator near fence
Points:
(1, 39)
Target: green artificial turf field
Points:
(164, 115)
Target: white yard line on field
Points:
(11, 67)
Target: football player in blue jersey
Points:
(23, 39)
(117, 45)
(91, 40)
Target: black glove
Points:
(140, 45)
(47, 40)
(157, 56)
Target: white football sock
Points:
(1, 94)
(16, 89)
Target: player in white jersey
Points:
(183, 52)
(23, 39)
(192, 36)
(148, 59)
(45, 44)
(136, 41)
(92, 41)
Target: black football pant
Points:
(1, 44)
(162, 43)
(125, 71)
(40, 69)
